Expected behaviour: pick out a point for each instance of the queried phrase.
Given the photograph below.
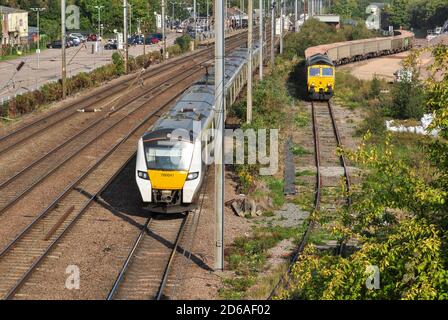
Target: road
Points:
(79, 59)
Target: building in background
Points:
(14, 26)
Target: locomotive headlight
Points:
(192, 176)
(143, 175)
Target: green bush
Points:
(52, 91)
(174, 50)
(118, 61)
(183, 42)
(312, 33)
(375, 88)
(408, 101)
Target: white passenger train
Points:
(170, 168)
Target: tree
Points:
(407, 101)
(312, 33)
(399, 15)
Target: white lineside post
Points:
(282, 12)
(241, 15)
(249, 61)
(163, 30)
(125, 34)
(194, 19)
(272, 30)
(261, 39)
(219, 136)
(296, 12)
(63, 41)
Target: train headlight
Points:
(143, 175)
(192, 176)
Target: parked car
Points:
(158, 36)
(179, 30)
(151, 40)
(57, 44)
(92, 37)
(135, 39)
(74, 41)
(111, 44)
(78, 35)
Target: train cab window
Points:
(326, 72)
(314, 72)
(167, 155)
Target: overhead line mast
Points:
(219, 136)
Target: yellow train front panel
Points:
(321, 81)
(167, 180)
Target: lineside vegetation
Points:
(398, 216)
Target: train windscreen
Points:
(327, 72)
(314, 72)
(168, 155)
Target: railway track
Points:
(113, 93)
(145, 272)
(326, 139)
(26, 251)
(148, 271)
(22, 256)
(23, 181)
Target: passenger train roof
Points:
(197, 102)
(195, 105)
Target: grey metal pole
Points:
(38, 41)
(125, 34)
(219, 137)
(282, 12)
(260, 68)
(296, 12)
(163, 30)
(249, 62)
(272, 30)
(194, 18)
(130, 18)
(99, 21)
(38, 11)
(208, 15)
(63, 41)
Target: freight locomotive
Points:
(170, 164)
(321, 60)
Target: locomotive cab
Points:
(320, 77)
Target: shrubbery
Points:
(398, 212)
(314, 32)
(183, 42)
(174, 50)
(407, 101)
